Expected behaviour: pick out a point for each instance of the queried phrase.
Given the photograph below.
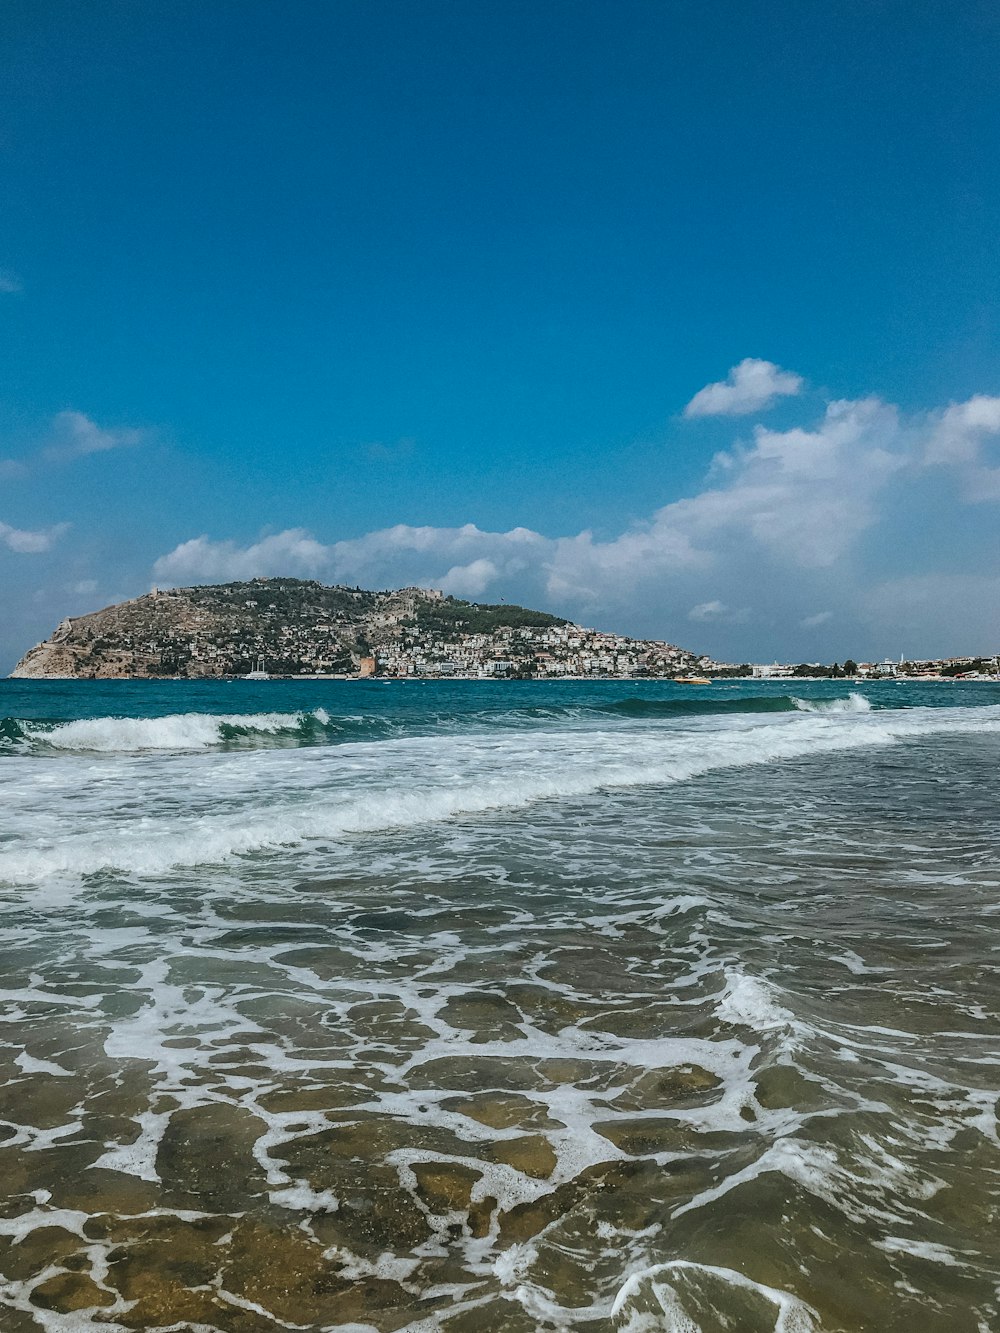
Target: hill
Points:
(301, 627)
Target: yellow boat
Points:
(691, 680)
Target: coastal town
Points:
(279, 627)
(270, 627)
(546, 652)
(943, 668)
(570, 651)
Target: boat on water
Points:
(258, 672)
(691, 680)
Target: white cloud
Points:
(200, 560)
(469, 580)
(749, 387)
(798, 495)
(716, 611)
(76, 435)
(802, 495)
(72, 435)
(84, 587)
(465, 556)
(594, 574)
(957, 438)
(958, 431)
(431, 553)
(9, 282)
(707, 611)
(778, 525)
(26, 542)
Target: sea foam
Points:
(751, 1002)
(178, 812)
(854, 703)
(177, 731)
(667, 1283)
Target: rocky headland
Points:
(296, 627)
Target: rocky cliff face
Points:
(302, 628)
(295, 625)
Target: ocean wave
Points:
(854, 703)
(174, 732)
(699, 705)
(303, 799)
(649, 710)
(185, 732)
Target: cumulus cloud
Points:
(76, 435)
(801, 494)
(958, 437)
(797, 495)
(779, 524)
(469, 580)
(958, 431)
(749, 387)
(26, 542)
(465, 558)
(9, 282)
(200, 560)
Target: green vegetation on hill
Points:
(451, 616)
(284, 599)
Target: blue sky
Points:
(390, 292)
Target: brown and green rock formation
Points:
(297, 627)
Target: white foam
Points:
(150, 815)
(176, 731)
(30, 1065)
(919, 1249)
(793, 1315)
(751, 1002)
(301, 1197)
(139, 1157)
(854, 703)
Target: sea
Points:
(495, 1007)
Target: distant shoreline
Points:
(509, 680)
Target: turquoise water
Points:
(417, 705)
(583, 1005)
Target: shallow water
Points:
(499, 1007)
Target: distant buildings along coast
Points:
(293, 627)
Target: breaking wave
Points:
(176, 732)
(185, 732)
(698, 706)
(854, 703)
(293, 801)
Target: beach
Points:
(614, 1005)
